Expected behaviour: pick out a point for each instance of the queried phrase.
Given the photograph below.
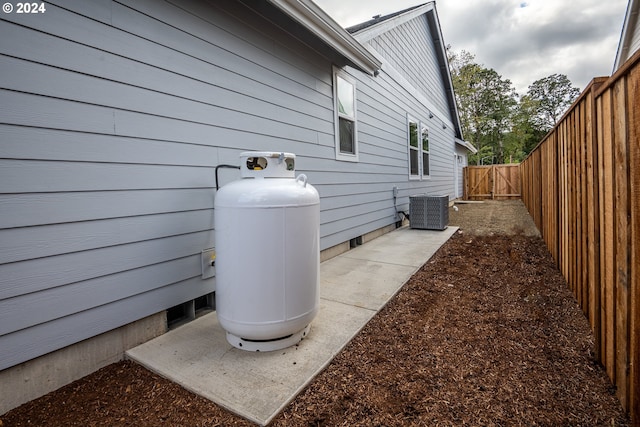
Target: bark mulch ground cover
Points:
(486, 333)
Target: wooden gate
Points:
(496, 182)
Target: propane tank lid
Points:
(267, 164)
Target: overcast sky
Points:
(523, 40)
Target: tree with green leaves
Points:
(552, 95)
(502, 127)
(486, 103)
(525, 133)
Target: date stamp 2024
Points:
(30, 8)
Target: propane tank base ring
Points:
(267, 345)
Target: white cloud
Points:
(522, 41)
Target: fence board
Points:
(582, 187)
(622, 240)
(593, 231)
(583, 208)
(634, 234)
(551, 199)
(607, 236)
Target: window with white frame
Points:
(345, 116)
(414, 149)
(424, 132)
(418, 144)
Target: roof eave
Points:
(466, 144)
(309, 15)
(377, 28)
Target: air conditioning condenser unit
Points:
(429, 212)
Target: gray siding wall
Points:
(635, 39)
(461, 164)
(409, 49)
(410, 83)
(113, 116)
(383, 105)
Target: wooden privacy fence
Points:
(582, 187)
(499, 182)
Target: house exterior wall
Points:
(358, 198)
(630, 38)
(461, 161)
(416, 58)
(413, 85)
(114, 116)
(635, 40)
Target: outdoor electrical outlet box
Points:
(208, 263)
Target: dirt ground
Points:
(490, 218)
(485, 334)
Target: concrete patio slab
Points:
(406, 246)
(360, 282)
(354, 286)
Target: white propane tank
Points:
(267, 237)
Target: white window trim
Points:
(410, 120)
(347, 157)
(422, 175)
(420, 125)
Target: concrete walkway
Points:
(257, 386)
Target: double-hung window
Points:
(414, 149)
(345, 116)
(418, 142)
(424, 133)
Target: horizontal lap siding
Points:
(112, 117)
(383, 105)
(409, 48)
(634, 45)
(358, 198)
(31, 243)
(382, 133)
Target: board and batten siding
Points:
(113, 116)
